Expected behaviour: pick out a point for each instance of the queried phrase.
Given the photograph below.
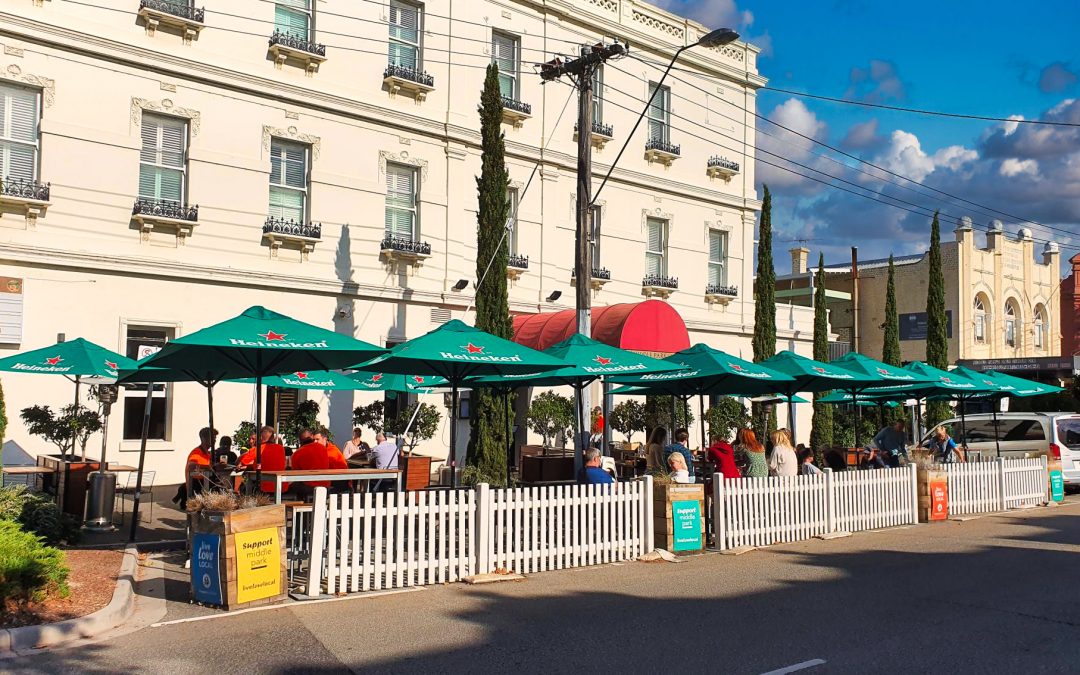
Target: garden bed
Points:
(92, 581)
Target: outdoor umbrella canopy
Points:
(76, 358)
(867, 367)
(363, 381)
(456, 351)
(705, 370)
(1010, 385)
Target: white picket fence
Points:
(780, 509)
(995, 485)
(394, 540)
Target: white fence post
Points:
(1046, 480)
(719, 533)
(914, 485)
(318, 533)
(830, 501)
(482, 530)
(999, 465)
(647, 513)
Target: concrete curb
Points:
(14, 641)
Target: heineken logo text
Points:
(479, 357)
(279, 343)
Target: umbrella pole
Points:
(791, 416)
(963, 428)
(210, 410)
(452, 455)
(858, 418)
(997, 435)
(258, 431)
(509, 433)
(701, 410)
(142, 461)
(75, 413)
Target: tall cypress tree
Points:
(890, 350)
(765, 308)
(487, 441)
(821, 428)
(937, 340)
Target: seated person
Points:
(198, 458)
(273, 458)
(591, 473)
(722, 456)
(677, 464)
(682, 437)
(385, 452)
(225, 454)
(319, 454)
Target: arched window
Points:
(980, 318)
(1012, 322)
(1040, 327)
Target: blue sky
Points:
(993, 58)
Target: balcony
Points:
(285, 47)
(600, 276)
(516, 265)
(415, 83)
(515, 112)
(721, 167)
(178, 14)
(279, 232)
(659, 150)
(659, 285)
(26, 198)
(720, 293)
(601, 134)
(412, 252)
(165, 214)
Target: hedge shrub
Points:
(30, 571)
(38, 514)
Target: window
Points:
(980, 319)
(504, 53)
(402, 217)
(656, 247)
(512, 220)
(142, 341)
(659, 113)
(1010, 324)
(163, 159)
(598, 96)
(288, 180)
(18, 133)
(293, 18)
(405, 32)
(717, 258)
(1040, 327)
(594, 236)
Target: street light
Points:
(714, 38)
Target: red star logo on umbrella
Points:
(271, 336)
(110, 365)
(736, 367)
(818, 369)
(376, 377)
(474, 349)
(417, 379)
(53, 360)
(602, 361)
(946, 379)
(882, 371)
(302, 376)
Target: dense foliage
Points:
(423, 427)
(821, 428)
(658, 414)
(764, 309)
(306, 416)
(890, 348)
(628, 417)
(30, 570)
(937, 339)
(67, 428)
(551, 416)
(726, 417)
(37, 513)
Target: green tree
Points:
(890, 350)
(3, 415)
(551, 415)
(937, 339)
(726, 417)
(63, 427)
(423, 426)
(628, 417)
(306, 416)
(487, 439)
(765, 309)
(658, 414)
(372, 416)
(821, 426)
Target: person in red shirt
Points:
(722, 456)
(273, 458)
(198, 457)
(319, 454)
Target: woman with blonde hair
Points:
(750, 455)
(784, 461)
(679, 472)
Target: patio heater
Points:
(101, 491)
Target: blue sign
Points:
(1057, 486)
(205, 568)
(913, 326)
(686, 525)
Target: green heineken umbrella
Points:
(332, 380)
(868, 368)
(1005, 385)
(75, 359)
(456, 351)
(363, 381)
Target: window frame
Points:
(308, 11)
(1012, 324)
(513, 199)
(515, 76)
(596, 224)
(392, 39)
(11, 139)
(186, 144)
(720, 264)
(305, 191)
(1038, 324)
(598, 95)
(415, 197)
(662, 253)
(979, 319)
(662, 100)
(137, 392)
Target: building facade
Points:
(166, 167)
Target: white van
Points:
(1020, 435)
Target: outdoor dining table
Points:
(25, 471)
(313, 475)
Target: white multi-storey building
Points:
(166, 166)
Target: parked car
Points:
(1021, 435)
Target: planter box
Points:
(933, 493)
(679, 517)
(238, 557)
(68, 482)
(416, 472)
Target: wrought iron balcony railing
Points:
(600, 129)
(598, 273)
(404, 245)
(662, 146)
(165, 208)
(660, 281)
(723, 163)
(298, 43)
(517, 106)
(25, 189)
(292, 228)
(410, 74)
(721, 289)
(520, 262)
(184, 10)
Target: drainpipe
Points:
(855, 298)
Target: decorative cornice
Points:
(291, 134)
(47, 85)
(656, 213)
(402, 157)
(165, 105)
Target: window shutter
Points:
(19, 132)
(291, 18)
(400, 201)
(173, 140)
(295, 166)
(656, 235)
(24, 114)
(716, 247)
(404, 22)
(286, 204)
(504, 54)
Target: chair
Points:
(128, 490)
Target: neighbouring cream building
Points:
(1001, 299)
(166, 167)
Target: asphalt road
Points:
(999, 594)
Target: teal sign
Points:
(1057, 486)
(205, 573)
(686, 525)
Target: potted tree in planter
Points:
(416, 468)
(67, 428)
(726, 417)
(551, 416)
(626, 418)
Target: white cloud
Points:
(794, 115)
(906, 157)
(1014, 167)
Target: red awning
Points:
(651, 327)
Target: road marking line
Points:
(299, 603)
(798, 666)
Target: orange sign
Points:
(10, 285)
(939, 500)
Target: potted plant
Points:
(626, 418)
(416, 469)
(551, 416)
(68, 428)
(726, 417)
